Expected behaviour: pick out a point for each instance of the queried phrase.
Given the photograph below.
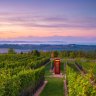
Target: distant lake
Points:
(5, 50)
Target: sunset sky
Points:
(47, 18)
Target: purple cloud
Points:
(49, 22)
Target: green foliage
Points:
(79, 85)
(79, 54)
(35, 53)
(11, 51)
(17, 76)
(12, 86)
(55, 53)
(72, 55)
(26, 78)
(88, 65)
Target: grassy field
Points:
(55, 86)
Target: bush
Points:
(11, 51)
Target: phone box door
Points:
(57, 66)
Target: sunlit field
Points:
(22, 74)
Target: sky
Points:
(23, 19)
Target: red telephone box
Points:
(57, 66)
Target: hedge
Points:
(24, 83)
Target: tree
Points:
(55, 53)
(35, 53)
(21, 52)
(11, 51)
(72, 55)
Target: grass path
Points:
(55, 86)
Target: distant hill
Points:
(52, 40)
(48, 47)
